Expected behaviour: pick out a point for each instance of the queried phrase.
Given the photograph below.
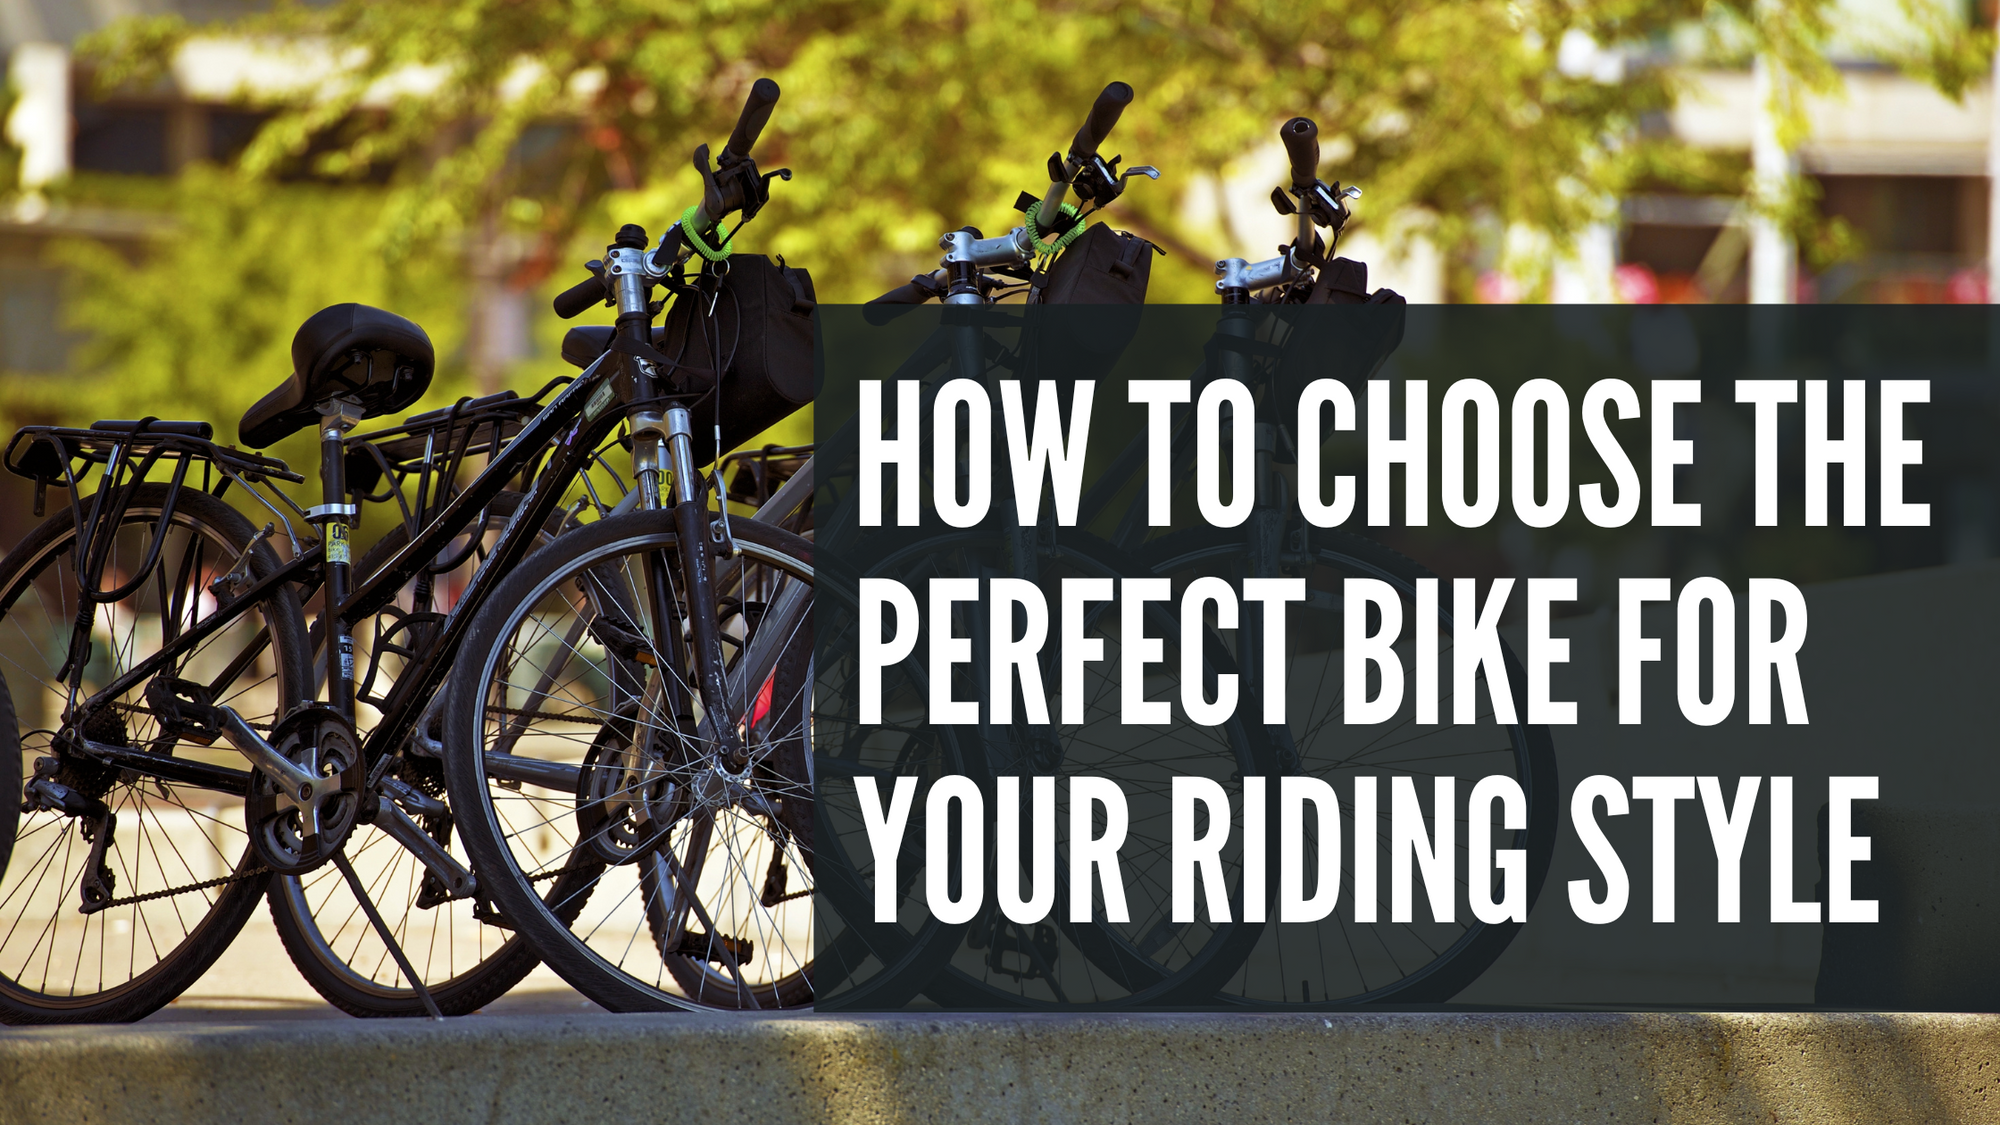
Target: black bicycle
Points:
(155, 640)
(625, 733)
(1275, 350)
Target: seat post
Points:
(335, 516)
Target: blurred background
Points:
(182, 182)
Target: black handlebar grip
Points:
(1103, 117)
(756, 112)
(894, 303)
(1301, 138)
(578, 298)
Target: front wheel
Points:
(576, 751)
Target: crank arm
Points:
(294, 780)
(390, 818)
(533, 771)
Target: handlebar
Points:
(896, 301)
(726, 188)
(903, 295)
(577, 299)
(1103, 118)
(756, 113)
(1301, 139)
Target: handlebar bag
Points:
(1349, 342)
(764, 321)
(1102, 267)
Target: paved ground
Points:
(255, 980)
(545, 1054)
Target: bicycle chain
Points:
(149, 896)
(558, 873)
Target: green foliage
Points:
(201, 324)
(909, 117)
(442, 130)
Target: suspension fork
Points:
(691, 524)
(1264, 530)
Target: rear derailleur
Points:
(56, 787)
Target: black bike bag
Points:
(1102, 267)
(763, 323)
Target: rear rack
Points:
(760, 472)
(417, 463)
(129, 451)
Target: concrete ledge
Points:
(1389, 1068)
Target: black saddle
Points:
(374, 357)
(583, 344)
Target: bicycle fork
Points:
(672, 434)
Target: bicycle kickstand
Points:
(382, 928)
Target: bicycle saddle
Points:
(583, 344)
(375, 357)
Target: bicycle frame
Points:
(572, 454)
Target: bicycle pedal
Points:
(484, 911)
(185, 709)
(622, 641)
(775, 878)
(432, 893)
(711, 948)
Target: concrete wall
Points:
(1401, 1068)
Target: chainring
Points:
(294, 837)
(624, 802)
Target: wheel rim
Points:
(1334, 963)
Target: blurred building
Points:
(198, 113)
(1904, 166)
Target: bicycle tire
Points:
(1530, 750)
(993, 963)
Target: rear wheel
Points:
(90, 934)
(465, 961)
(1336, 962)
(992, 961)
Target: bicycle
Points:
(990, 962)
(199, 638)
(647, 673)
(1150, 959)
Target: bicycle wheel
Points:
(1333, 962)
(992, 961)
(465, 961)
(573, 683)
(176, 878)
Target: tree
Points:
(446, 141)
(911, 117)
